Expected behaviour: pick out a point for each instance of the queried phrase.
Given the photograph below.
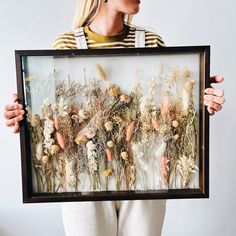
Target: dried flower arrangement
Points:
(95, 137)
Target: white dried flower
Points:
(54, 149)
(48, 128)
(110, 144)
(62, 107)
(176, 136)
(39, 151)
(124, 155)
(47, 131)
(83, 115)
(175, 123)
(45, 159)
(91, 146)
(108, 126)
(92, 157)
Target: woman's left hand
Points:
(213, 98)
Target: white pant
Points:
(114, 218)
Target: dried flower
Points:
(175, 123)
(164, 128)
(48, 128)
(35, 121)
(186, 74)
(176, 136)
(165, 106)
(39, 151)
(62, 107)
(155, 124)
(54, 149)
(107, 172)
(114, 91)
(185, 167)
(101, 71)
(81, 138)
(164, 167)
(83, 115)
(125, 98)
(92, 157)
(110, 144)
(47, 131)
(187, 95)
(109, 154)
(117, 119)
(45, 159)
(60, 140)
(56, 122)
(91, 146)
(89, 132)
(124, 155)
(108, 126)
(130, 131)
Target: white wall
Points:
(29, 24)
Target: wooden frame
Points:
(26, 61)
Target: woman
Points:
(106, 24)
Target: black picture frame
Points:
(29, 196)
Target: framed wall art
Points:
(114, 124)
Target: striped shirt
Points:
(126, 39)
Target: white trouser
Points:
(114, 218)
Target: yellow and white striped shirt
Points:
(126, 39)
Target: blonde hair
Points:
(86, 10)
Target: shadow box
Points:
(114, 124)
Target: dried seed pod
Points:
(56, 122)
(60, 140)
(109, 154)
(130, 131)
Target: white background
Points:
(29, 24)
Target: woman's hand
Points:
(14, 113)
(213, 98)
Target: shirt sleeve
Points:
(65, 41)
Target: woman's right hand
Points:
(14, 113)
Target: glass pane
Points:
(113, 122)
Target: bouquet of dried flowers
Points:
(95, 137)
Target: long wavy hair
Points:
(86, 10)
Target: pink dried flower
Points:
(165, 106)
(89, 132)
(164, 167)
(125, 98)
